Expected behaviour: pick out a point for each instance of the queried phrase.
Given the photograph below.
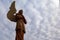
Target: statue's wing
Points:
(11, 12)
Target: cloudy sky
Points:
(43, 19)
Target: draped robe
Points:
(20, 28)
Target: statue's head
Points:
(20, 12)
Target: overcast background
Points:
(43, 19)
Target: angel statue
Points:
(19, 19)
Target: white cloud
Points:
(56, 3)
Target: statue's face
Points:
(20, 11)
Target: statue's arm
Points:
(24, 20)
(21, 17)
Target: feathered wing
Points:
(11, 12)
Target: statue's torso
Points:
(20, 23)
